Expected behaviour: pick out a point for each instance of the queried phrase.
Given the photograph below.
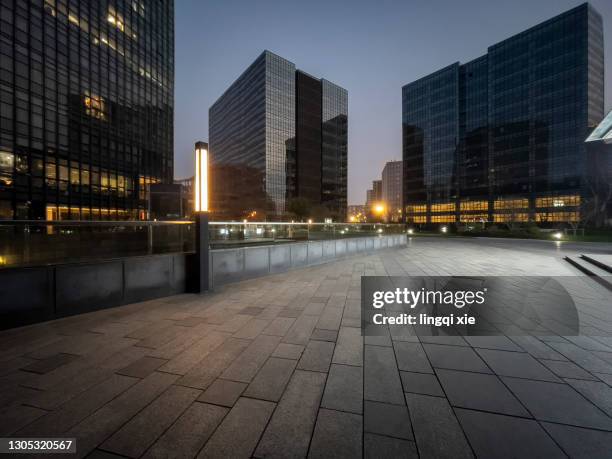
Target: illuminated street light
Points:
(410, 231)
(558, 235)
(201, 177)
(200, 280)
(379, 209)
(444, 229)
(310, 221)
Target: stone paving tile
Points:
(291, 426)
(494, 435)
(271, 380)
(49, 363)
(330, 318)
(324, 335)
(379, 447)
(191, 431)
(223, 392)
(386, 419)
(142, 367)
(567, 370)
(245, 367)
(288, 351)
(344, 389)
(558, 403)
(479, 392)
(135, 437)
(581, 443)
(252, 329)
(279, 326)
(502, 343)
(300, 331)
(337, 434)
(252, 310)
(516, 364)
(597, 392)
(71, 413)
(13, 418)
(455, 358)
(317, 356)
(436, 429)
(190, 357)
(421, 383)
(208, 369)
(99, 454)
(349, 347)
(411, 357)
(583, 358)
(238, 433)
(105, 421)
(381, 376)
(537, 348)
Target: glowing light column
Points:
(200, 186)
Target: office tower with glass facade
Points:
(501, 138)
(86, 97)
(392, 190)
(277, 134)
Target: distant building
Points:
(392, 190)
(188, 196)
(501, 138)
(166, 201)
(277, 134)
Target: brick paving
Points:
(277, 367)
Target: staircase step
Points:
(603, 262)
(599, 275)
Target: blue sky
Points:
(371, 48)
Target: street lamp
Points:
(201, 217)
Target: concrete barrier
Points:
(231, 265)
(29, 295)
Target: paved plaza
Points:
(277, 367)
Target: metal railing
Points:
(41, 242)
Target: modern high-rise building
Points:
(277, 134)
(392, 190)
(501, 138)
(86, 121)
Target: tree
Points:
(300, 207)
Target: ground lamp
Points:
(200, 186)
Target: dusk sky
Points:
(371, 48)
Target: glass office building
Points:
(275, 134)
(86, 122)
(501, 138)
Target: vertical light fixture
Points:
(200, 185)
(201, 177)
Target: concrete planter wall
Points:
(231, 265)
(29, 295)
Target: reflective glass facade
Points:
(86, 120)
(275, 134)
(501, 138)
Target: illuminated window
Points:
(449, 218)
(474, 205)
(558, 201)
(444, 207)
(95, 107)
(511, 217)
(416, 209)
(511, 204)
